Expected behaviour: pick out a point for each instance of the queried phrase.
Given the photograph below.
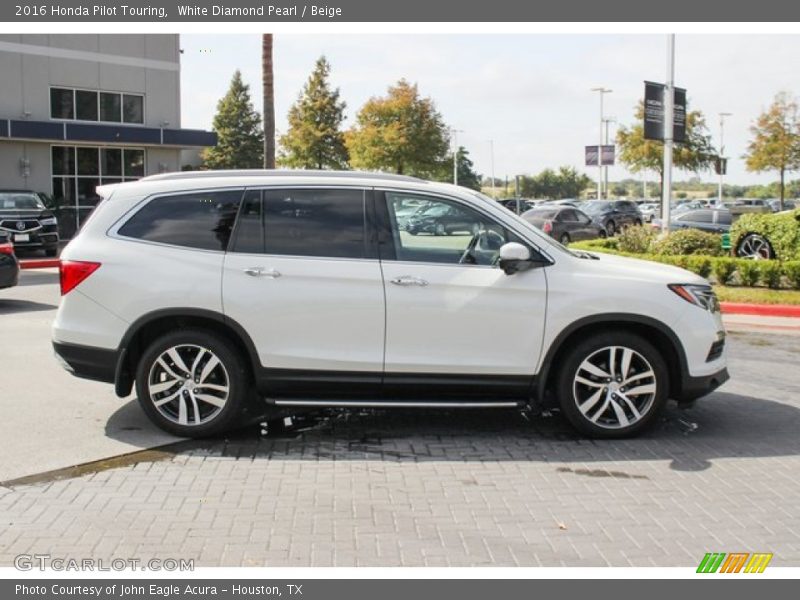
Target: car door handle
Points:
(262, 272)
(409, 280)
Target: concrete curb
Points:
(762, 310)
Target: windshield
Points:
(594, 207)
(541, 213)
(20, 201)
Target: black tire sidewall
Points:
(231, 413)
(582, 350)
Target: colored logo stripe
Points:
(734, 563)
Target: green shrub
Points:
(701, 265)
(771, 273)
(792, 271)
(782, 231)
(636, 239)
(723, 269)
(689, 241)
(749, 272)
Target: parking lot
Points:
(375, 488)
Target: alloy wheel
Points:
(754, 246)
(614, 387)
(188, 385)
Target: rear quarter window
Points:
(199, 219)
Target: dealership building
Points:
(79, 110)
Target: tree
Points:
(564, 183)
(776, 140)
(467, 176)
(401, 133)
(268, 93)
(314, 139)
(240, 139)
(695, 154)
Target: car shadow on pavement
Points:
(719, 426)
(10, 307)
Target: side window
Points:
(249, 234)
(199, 219)
(568, 216)
(435, 230)
(724, 218)
(582, 218)
(325, 223)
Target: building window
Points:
(88, 105)
(78, 170)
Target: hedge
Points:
(724, 270)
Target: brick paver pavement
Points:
(451, 488)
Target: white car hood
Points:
(644, 270)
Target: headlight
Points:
(49, 221)
(699, 295)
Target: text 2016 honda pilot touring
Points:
(221, 295)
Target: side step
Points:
(335, 403)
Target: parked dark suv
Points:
(613, 215)
(27, 222)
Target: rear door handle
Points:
(409, 280)
(262, 272)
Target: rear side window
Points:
(325, 223)
(201, 220)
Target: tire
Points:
(192, 413)
(638, 223)
(754, 246)
(440, 229)
(611, 228)
(51, 252)
(564, 239)
(602, 234)
(592, 403)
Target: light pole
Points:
(454, 133)
(669, 117)
(491, 150)
(722, 116)
(606, 122)
(602, 91)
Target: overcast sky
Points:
(529, 93)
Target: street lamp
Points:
(491, 149)
(602, 91)
(607, 121)
(454, 134)
(722, 116)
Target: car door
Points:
(454, 319)
(585, 226)
(304, 281)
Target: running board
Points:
(333, 403)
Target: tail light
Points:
(72, 272)
(547, 227)
(7, 248)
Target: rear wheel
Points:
(192, 383)
(440, 229)
(613, 385)
(564, 239)
(611, 228)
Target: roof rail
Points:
(280, 173)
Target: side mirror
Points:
(515, 257)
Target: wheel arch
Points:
(656, 332)
(150, 326)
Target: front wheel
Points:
(192, 383)
(613, 385)
(754, 246)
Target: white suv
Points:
(229, 295)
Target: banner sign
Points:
(607, 157)
(654, 112)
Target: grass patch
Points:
(754, 295)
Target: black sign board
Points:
(721, 166)
(607, 158)
(654, 112)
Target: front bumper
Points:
(697, 387)
(87, 362)
(36, 240)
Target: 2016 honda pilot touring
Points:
(222, 295)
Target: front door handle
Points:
(409, 280)
(262, 272)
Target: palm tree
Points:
(269, 101)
